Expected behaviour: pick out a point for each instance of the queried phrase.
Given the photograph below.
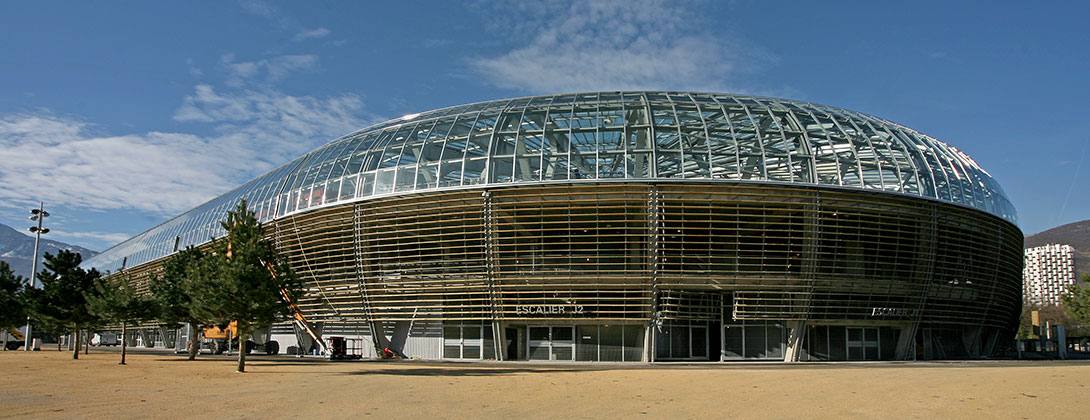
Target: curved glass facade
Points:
(595, 137)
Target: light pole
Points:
(39, 214)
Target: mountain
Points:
(16, 249)
(1075, 234)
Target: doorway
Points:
(863, 343)
(551, 342)
(511, 343)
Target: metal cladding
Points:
(628, 207)
(595, 137)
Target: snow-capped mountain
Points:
(16, 249)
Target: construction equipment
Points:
(341, 348)
(297, 314)
(223, 338)
(14, 338)
(219, 336)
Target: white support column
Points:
(499, 340)
(378, 337)
(796, 332)
(906, 342)
(649, 344)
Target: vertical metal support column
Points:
(490, 272)
(654, 226)
(925, 274)
(723, 329)
(994, 280)
(795, 335)
(378, 335)
(811, 252)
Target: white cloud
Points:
(193, 69)
(316, 33)
(618, 45)
(109, 238)
(65, 161)
(259, 8)
(274, 69)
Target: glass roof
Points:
(589, 137)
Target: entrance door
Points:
(462, 342)
(754, 341)
(511, 343)
(551, 343)
(863, 343)
(682, 342)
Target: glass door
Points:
(863, 344)
(551, 343)
(462, 342)
(682, 342)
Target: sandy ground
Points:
(49, 384)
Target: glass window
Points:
(348, 187)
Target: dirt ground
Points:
(51, 385)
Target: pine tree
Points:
(12, 308)
(115, 301)
(172, 301)
(1077, 300)
(62, 299)
(244, 280)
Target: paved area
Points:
(51, 385)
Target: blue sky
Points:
(121, 115)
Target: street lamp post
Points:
(39, 214)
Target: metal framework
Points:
(631, 208)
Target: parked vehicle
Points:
(14, 338)
(217, 340)
(105, 339)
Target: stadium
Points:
(633, 226)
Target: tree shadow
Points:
(461, 371)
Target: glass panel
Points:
(367, 185)
(471, 351)
(406, 178)
(527, 168)
(610, 343)
(777, 340)
(556, 167)
(669, 165)
(755, 344)
(733, 343)
(562, 333)
(332, 192)
(471, 333)
(348, 188)
(633, 342)
(502, 169)
(638, 165)
(427, 176)
(679, 342)
(699, 347)
(450, 173)
(539, 333)
(837, 341)
(384, 183)
(587, 343)
(474, 171)
(538, 351)
(562, 352)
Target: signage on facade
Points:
(892, 312)
(546, 310)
